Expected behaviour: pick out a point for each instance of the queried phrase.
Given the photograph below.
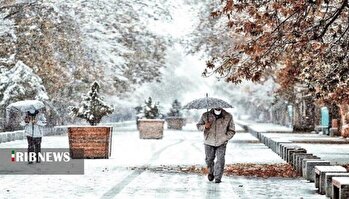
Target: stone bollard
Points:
(268, 142)
(265, 140)
(328, 181)
(272, 144)
(308, 168)
(284, 148)
(320, 172)
(287, 149)
(257, 135)
(279, 144)
(300, 157)
(291, 152)
(294, 159)
(340, 187)
(262, 138)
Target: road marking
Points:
(128, 179)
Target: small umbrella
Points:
(25, 105)
(207, 103)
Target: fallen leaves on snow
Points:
(248, 169)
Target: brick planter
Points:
(90, 142)
(151, 128)
(175, 123)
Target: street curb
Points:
(303, 162)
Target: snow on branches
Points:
(71, 43)
(305, 42)
(92, 108)
(151, 110)
(175, 110)
(20, 83)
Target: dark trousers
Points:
(212, 152)
(34, 145)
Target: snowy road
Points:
(114, 178)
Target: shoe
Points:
(210, 177)
(217, 181)
(30, 162)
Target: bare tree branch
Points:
(338, 12)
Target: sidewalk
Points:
(115, 178)
(333, 149)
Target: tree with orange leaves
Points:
(299, 42)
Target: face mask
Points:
(217, 112)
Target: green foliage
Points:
(151, 110)
(175, 111)
(92, 108)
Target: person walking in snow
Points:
(33, 127)
(218, 126)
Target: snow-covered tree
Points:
(20, 83)
(210, 34)
(92, 108)
(302, 44)
(116, 39)
(69, 44)
(150, 109)
(176, 109)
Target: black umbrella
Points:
(207, 103)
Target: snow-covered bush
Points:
(19, 83)
(92, 108)
(175, 110)
(70, 43)
(151, 110)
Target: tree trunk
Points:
(297, 117)
(334, 113)
(344, 113)
(304, 114)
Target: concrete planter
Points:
(151, 128)
(90, 142)
(175, 122)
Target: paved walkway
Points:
(333, 149)
(114, 178)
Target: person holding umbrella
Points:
(33, 123)
(218, 126)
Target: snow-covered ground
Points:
(268, 127)
(114, 177)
